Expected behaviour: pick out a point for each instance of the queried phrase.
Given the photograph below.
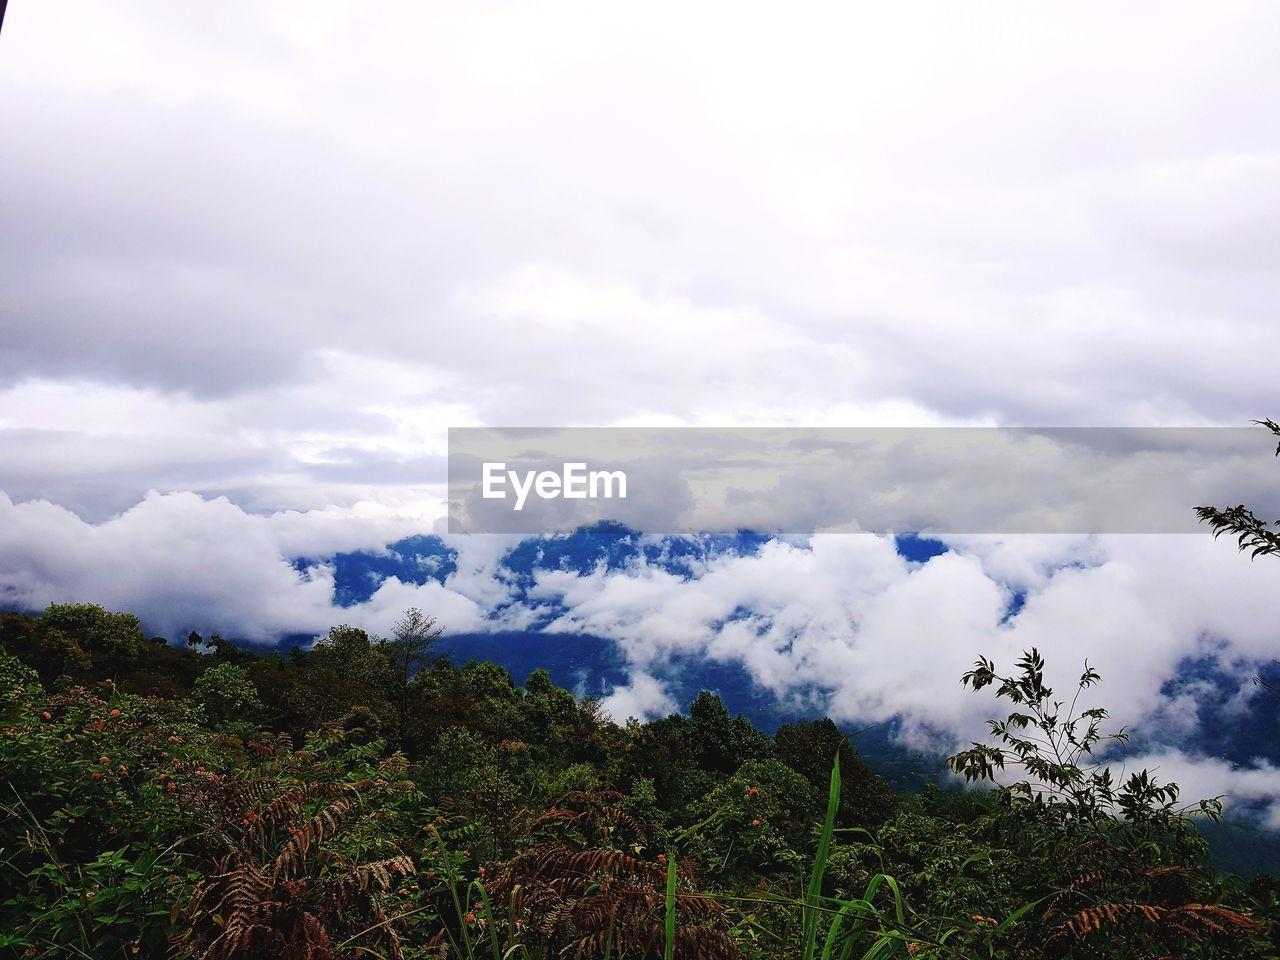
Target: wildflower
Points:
(403, 892)
(912, 947)
(96, 775)
(471, 918)
(89, 895)
(466, 853)
(104, 760)
(755, 823)
(752, 792)
(122, 768)
(662, 858)
(115, 713)
(482, 871)
(47, 715)
(170, 785)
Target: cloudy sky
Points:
(257, 258)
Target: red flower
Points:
(471, 918)
(662, 858)
(755, 823)
(104, 759)
(115, 713)
(47, 715)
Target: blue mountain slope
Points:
(1235, 726)
(357, 575)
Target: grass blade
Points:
(814, 894)
(669, 924)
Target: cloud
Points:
(182, 562)
(928, 217)
(641, 697)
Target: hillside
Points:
(370, 798)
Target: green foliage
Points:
(227, 695)
(805, 746)
(201, 801)
(1070, 789)
(757, 821)
(1251, 533)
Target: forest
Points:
(368, 798)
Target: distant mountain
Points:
(1237, 728)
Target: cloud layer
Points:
(276, 261)
(845, 618)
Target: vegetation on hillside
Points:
(366, 799)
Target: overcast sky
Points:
(270, 252)
(273, 250)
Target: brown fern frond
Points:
(580, 902)
(1086, 880)
(370, 877)
(256, 901)
(1218, 919)
(320, 827)
(1194, 920)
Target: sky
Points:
(255, 259)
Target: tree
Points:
(1068, 790)
(110, 640)
(808, 746)
(721, 743)
(412, 638)
(227, 694)
(343, 670)
(1251, 534)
